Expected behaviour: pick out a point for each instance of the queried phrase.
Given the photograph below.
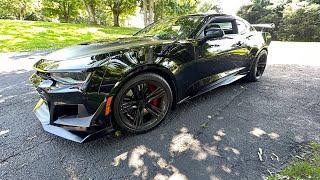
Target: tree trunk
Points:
(148, 10)
(151, 11)
(22, 12)
(145, 12)
(116, 18)
(93, 13)
(91, 9)
(65, 13)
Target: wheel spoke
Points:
(138, 119)
(126, 107)
(153, 110)
(144, 90)
(127, 98)
(135, 91)
(143, 104)
(159, 92)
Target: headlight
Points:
(70, 77)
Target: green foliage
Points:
(34, 35)
(210, 6)
(15, 9)
(302, 24)
(120, 7)
(295, 21)
(168, 8)
(308, 168)
(65, 10)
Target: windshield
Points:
(173, 28)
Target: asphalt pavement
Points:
(215, 136)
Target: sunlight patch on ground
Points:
(185, 141)
(35, 29)
(5, 37)
(231, 149)
(4, 132)
(27, 36)
(87, 30)
(226, 169)
(19, 62)
(61, 38)
(3, 99)
(259, 133)
(214, 177)
(72, 173)
(118, 159)
(298, 53)
(136, 160)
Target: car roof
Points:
(213, 15)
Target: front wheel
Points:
(258, 67)
(142, 103)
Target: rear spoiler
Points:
(264, 26)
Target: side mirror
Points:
(213, 32)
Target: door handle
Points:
(240, 43)
(249, 37)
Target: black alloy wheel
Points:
(258, 67)
(261, 65)
(142, 103)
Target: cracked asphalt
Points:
(214, 136)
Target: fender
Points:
(151, 68)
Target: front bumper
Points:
(71, 112)
(78, 134)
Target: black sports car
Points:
(131, 83)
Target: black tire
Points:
(257, 67)
(142, 103)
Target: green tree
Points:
(263, 11)
(301, 24)
(91, 7)
(66, 10)
(120, 7)
(17, 9)
(255, 12)
(211, 6)
(165, 8)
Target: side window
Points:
(226, 26)
(252, 28)
(242, 27)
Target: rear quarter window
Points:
(242, 27)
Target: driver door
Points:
(220, 56)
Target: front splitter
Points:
(42, 113)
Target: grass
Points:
(37, 35)
(308, 168)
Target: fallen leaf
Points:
(30, 138)
(204, 125)
(260, 154)
(117, 133)
(274, 155)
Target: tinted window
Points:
(242, 27)
(174, 28)
(227, 26)
(252, 28)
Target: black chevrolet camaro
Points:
(132, 83)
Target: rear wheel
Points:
(258, 67)
(142, 103)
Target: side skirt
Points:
(221, 82)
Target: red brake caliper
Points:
(154, 102)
